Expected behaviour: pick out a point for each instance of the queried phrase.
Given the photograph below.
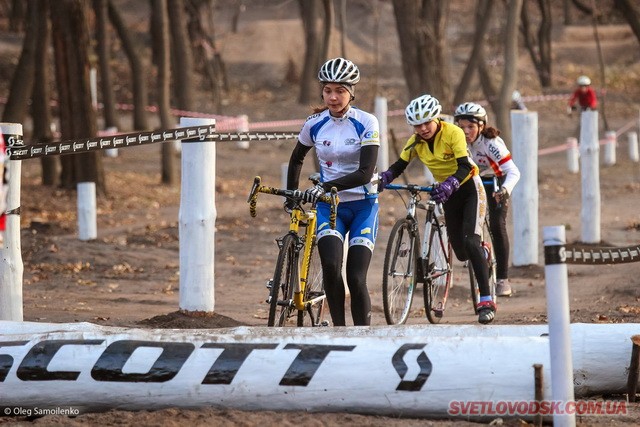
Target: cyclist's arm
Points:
(464, 168)
(295, 165)
(512, 173)
(362, 176)
(398, 167)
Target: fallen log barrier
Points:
(418, 371)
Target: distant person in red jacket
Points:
(584, 96)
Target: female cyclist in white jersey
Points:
(493, 158)
(346, 140)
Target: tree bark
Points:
(161, 49)
(40, 108)
(309, 11)
(630, 10)
(77, 117)
(539, 47)
(138, 74)
(421, 30)
(15, 111)
(103, 51)
(182, 56)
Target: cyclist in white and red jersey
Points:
(493, 158)
(442, 148)
(346, 140)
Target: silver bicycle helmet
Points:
(471, 111)
(583, 81)
(339, 70)
(422, 110)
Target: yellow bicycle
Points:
(297, 289)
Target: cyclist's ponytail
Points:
(490, 132)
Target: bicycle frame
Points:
(298, 218)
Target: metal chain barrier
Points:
(17, 150)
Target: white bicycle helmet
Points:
(422, 110)
(583, 81)
(339, 70)
(471, 111)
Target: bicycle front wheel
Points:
(399, 271)
(439, 269)
(314, 297)
(284, 280)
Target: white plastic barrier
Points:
(632, 137)
(609, 155)
(87, 211)
(573, 155)
(590, 177)
(419, 371)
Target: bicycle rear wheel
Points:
(439, 269)
(314, 297)
(284, 280)
(400, 271)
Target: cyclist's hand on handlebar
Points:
(386, 177)
(312, 194)
(289, 205)
(442, 192)
(501, 195)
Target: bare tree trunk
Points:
(421, 30)
(161, 49)
(16, 108)
(539, 49)
(138, 73)
(40, 111)
(483, 18)
(510, 72)
(182, 56)
(603, 75)
(77, 117)
(328, 25)
(312, 53)
(630, 10)
(103, 51)
(343, 27)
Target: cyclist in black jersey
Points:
(442, 147)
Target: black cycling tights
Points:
(331, 253)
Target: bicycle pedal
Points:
(324, 323)
(438, 313)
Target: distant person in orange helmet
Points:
(584, 96)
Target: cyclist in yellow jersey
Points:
(442, 147)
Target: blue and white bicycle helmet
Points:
(339, 70)
(471, 111)
(422, 110)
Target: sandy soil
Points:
(129, 276)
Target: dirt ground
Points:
(129, 275)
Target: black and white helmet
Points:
(422, 110)
(339, 70)
(471, 111)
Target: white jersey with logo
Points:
(494, 159)
(338, 142)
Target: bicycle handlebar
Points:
(296, 195)
(409, 187)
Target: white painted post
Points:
(609, 157)
(11, 267)
(524, 125)
(93, 87)
(633, 146)
(111, 152)
(557, 290)
(381, 113)
(590, 179)
(284, 170)
(197, 221)
(87, 217)
(573, 155)
(243, 126)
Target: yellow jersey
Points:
(448, 145)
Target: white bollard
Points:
(524, 125)
(87, 217)
(609, 155)
(11, 266)
(573, 155)
(381, 113)
(243, 126)
(633, 146)
(284, 170)
(590, 179)
(557, 291)
(197, 221)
